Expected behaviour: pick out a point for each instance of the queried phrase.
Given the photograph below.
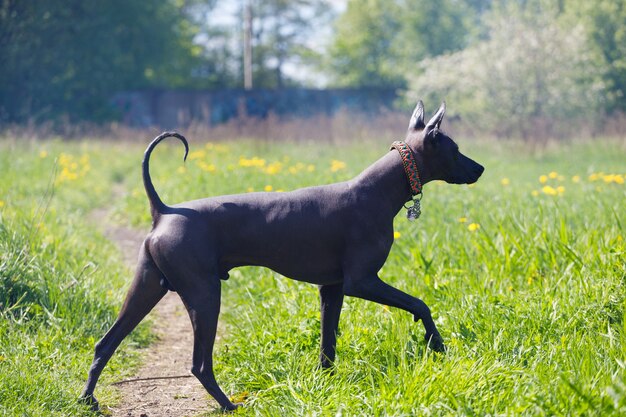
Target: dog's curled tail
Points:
(156, 204)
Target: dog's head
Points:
(440, 156)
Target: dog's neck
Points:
(386, 180)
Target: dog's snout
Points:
(475, 172)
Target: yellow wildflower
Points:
(241, 397)
(43, 154)
(67, 175)
(505, 182)
(84, 162)
(549, 190)
(560, 189)
(553, 175)
(268, 188)
(197, 155)
(608, 178)
(250, 189)
(472, 227)
(274, 168)
(534, 193)
(64, 159)
(594, 177)
(396, 235)
(462, 219)
(252, 162)
(310, 168)
(336, 165)
(543, 179)
(216, 147)
(1, 203)
(576, 178)
(294, 169)
(206, 167)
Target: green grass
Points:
(530, 301)
(60, 280)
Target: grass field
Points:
(525, 273)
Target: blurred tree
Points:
(215, 47)
(65, 57)
(608, 32)
(604, 23)
(364, 50)
(281, 32)
(479, 6)
(376, 40)
(530, 75)
(433, 28)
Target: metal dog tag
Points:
(413, 212)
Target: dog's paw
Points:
(231, 407)
(325, 364)
(435, 343)
(91, 401)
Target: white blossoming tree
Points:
(528, 78)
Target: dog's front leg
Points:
(371, 287)
(331, 299)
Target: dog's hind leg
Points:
(203, 305)
(144, 293)
(331, 300)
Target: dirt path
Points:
(181, 394)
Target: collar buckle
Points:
(414, 211)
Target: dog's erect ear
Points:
(435, 121)
(417, 120)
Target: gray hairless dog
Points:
(336, 236)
